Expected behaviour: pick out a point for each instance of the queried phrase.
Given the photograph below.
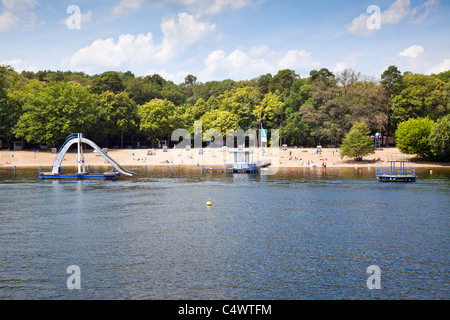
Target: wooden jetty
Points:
(394, 174)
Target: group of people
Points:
(308, 163)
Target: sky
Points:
(225, 39)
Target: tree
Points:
(440, 139)
(189, 82)
(412, 136)
(365, 103)
(357, 142)
(323, 75)
(295, 129)
(108, 81)
(199, 109)
(173, 92)
(220, 120)
(241, 102)
(388, 78)
(282, 81)
(263, 83)
(419, 96)
(59, 109)
(270, 111)
(121, 111)
(443, 76)
(142, 90)
(159, 118)
(7, 114)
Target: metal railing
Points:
(68, 138)
(383, 172)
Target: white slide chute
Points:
(78, 139)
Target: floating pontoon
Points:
(243, 163)
(395, 174)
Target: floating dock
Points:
(394, 174)
(80, 176)
(77, 138)
(243, 163)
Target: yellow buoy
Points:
(209, 204)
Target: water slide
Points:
(70, 141)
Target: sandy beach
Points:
(291, 158)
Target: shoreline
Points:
(217, 158)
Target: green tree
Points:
(142, 90)
(173, 92)
(295, 129)
(56, 111)
(159, 118)
(263, 84)
(189, 82)
(388, 78)
(270, 111)
(412, 136)
(18, 92)
(241, 102)
(200, 108)
(443, 76)
(419, 96)
(323, 75)
(107, 81)
(439, 139)
(220, 120)
(282, 81)
(121, 113)
(357, 142)
(9, 110)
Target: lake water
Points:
(310, 234)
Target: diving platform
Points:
(397, 174)
(82, 173)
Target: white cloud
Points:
(421, 12)
(8, 21)
(18, 65)
(412, 52)
(217, 6)
(107, 53)
(127, 6)
(418, 59)
(443, 66)
(198, 7)
(397, 12)
(359, 26)
(182, 33)
(181, 37)
(348, 62)
(258, 60)
(17, 12)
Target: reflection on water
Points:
(310, 234)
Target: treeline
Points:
(120, 109)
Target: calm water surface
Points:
(311, 234)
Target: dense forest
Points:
(120, 109)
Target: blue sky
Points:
(225, 39)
